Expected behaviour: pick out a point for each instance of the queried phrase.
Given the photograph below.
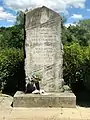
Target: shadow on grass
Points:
(82, 95)
(83, 98)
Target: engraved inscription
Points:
(43, 50)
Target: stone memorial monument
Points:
(44, 49)
(44, 62)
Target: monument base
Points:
(65, 100)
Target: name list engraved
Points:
(42, 43)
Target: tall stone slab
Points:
(43, 48)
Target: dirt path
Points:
(9, 113)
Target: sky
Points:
(73, 10)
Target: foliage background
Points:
(12, 57)
(76, 40)
(76, 66)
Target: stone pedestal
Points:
(65, 100)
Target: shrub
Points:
(86, 67)
(77, 64)
(11, 69)
(73, 59)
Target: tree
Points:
(12, 56)
(81, 32)
(85, 24)
(20, 19)
(12, 37)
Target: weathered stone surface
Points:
(66, 100)
(43, 48)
